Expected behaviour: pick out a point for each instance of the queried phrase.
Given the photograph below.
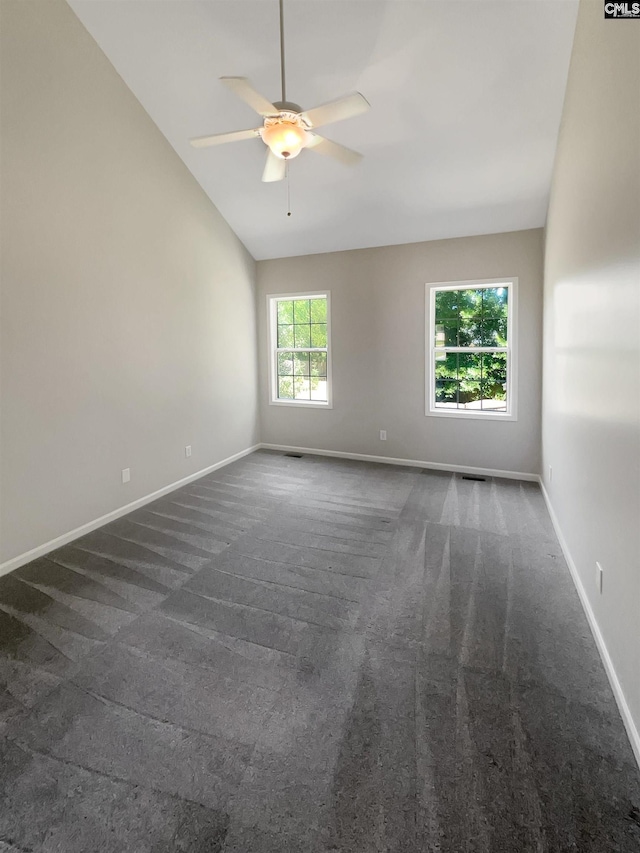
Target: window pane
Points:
(494, 302)
(319, 335)
(469, 395)
(494, 397)
(470, 303)
(318, 364)
(494, 367)
(302, 336)
(447, 367)
(301, 312)
(494, 381)
(470, 333)
(446, 394)
(285, 336)
(300, 345)
(285, 387)
(467, 319)
(285, 312)
(301, 363)
(447, 334)
(301, 388)
(469, 367)
(494, 333)
(285, 364)
(319, 388)
(318, 310)
(446, 304)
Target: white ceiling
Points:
(466, 98)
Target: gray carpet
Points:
(311, 655)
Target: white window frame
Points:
(272, 315)
(511, 283)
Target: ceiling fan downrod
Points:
(284, 89)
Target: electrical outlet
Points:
(187, 451)
(550, 473)
(126, 475)
(383, 435)
(599, 577)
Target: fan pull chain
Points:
(288, 192)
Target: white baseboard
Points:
(59, 541)
(412, 463)
(623, 707)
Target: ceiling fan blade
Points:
(220, 138)
(274, 169)
(334, 149)
(241, 87)
(351, 105)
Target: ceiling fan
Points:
(287, 128)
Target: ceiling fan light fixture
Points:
(286, 138)
(287, 129)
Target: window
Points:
(471, 349)
(299, 349)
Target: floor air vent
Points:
(294, 455)
(471, 477)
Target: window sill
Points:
(301, 404)
(478, 416)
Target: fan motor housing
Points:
(287, 107)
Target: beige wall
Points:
(591, 408)
(378, 338)
(128, 312)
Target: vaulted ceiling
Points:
(466, 98)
